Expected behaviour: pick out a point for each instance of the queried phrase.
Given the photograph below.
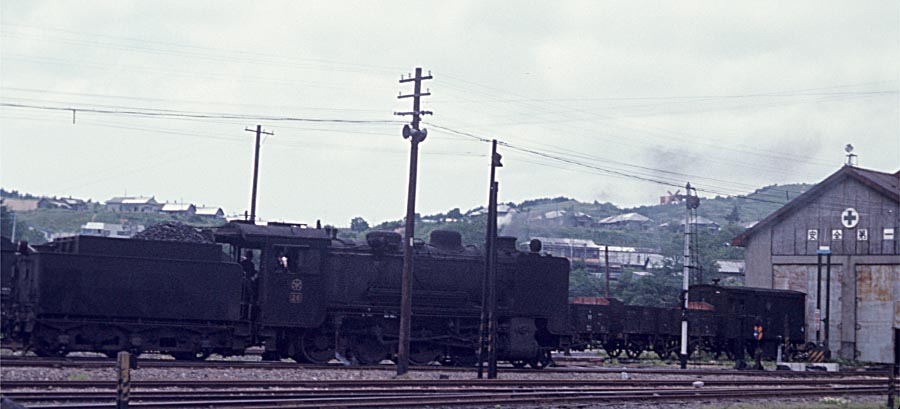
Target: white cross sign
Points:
(849, 218)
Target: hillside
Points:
(526, 221)
(545, 217)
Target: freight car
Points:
(722, 320)
(298, 292)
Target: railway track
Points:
(561, 367)
(418, 393)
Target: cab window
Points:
(290, 259)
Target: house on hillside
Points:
(179, 209)
(853, 215)
(67, 203)
(210, 212)
(629, 221)
(133, 204)
(703, 224)
(578, 219)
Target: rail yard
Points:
(90, 382)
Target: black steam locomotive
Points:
(303, 293)
(299, 292)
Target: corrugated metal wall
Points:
(878, 292)
(804, 278)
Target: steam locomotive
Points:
(303, 293)
(299, 292)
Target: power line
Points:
(622, 173)
(187, 114)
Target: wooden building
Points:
(853, 214)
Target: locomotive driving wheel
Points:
(317, 346)
(463, 356)
(369, 351)
(541, 361)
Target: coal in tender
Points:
(172, 231)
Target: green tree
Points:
(6, 222)
(358, 224)
(734, 216)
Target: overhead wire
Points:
(620, 173)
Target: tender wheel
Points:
(189, 356)
(463, 357)
(317, 347)
(541, 361)
(423, 353)
(519, 364)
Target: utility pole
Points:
(691, 204)
(606, 266)
(489, 283)
(415, 136)
(259, 132)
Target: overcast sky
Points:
(607, 101)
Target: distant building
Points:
(579, 219)
(63, 203)
(109, 230)
(853, 214)
(179, 209)
(133, 204)
(210, 212)
(731, 267)
(594, 255)
(630, 221)
(704, 224)
(20, 205)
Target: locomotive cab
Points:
(288, 260)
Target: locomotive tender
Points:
(305, 294)
(315, 296)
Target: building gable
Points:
(879, 187)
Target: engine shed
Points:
(854, 215)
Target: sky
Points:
(595, 100)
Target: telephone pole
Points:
(489, 283)
(415, 137)
(259, 132)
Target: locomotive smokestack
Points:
(535, 246)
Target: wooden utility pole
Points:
(259, 132)
(606, 265)
(489, 283)
(415, 136)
